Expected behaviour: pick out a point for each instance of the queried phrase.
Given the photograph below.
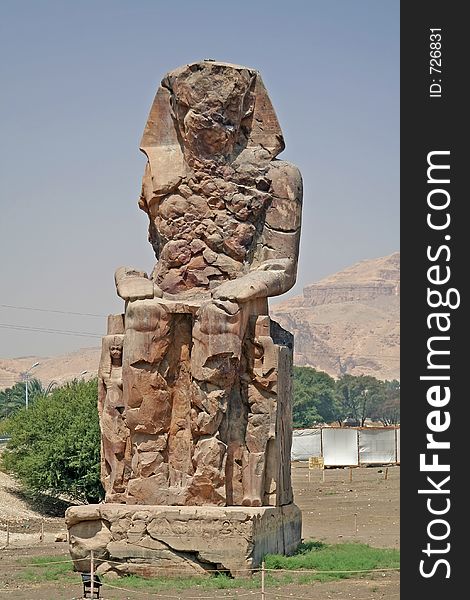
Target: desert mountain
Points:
(349, 321)
(345, 323)
(57, 369)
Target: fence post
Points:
(355, 522)
(263, 593)
(396, 445)
(386, 473)
(7, 543)
(358, 431)
(41, 535)
(92, 575)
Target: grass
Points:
(361, 559)
(39, 569)
(214, 582)
(337, 558)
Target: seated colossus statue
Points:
(195, 379)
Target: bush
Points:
(55, 444)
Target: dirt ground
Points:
(335, 510)
(366, 509)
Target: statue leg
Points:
(215, 366)
(220, 406)
(147, 400)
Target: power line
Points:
(50, 310)
(56, 331)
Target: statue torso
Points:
(205, 232)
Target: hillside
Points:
(348, 322)
(55, 368)
(345, 323)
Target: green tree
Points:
(55, 444)
(386, 407)
(14, 398)
(314, 397)
(357, 395)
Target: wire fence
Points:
(24, 534)
(262, 591)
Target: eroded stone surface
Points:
(180, 540)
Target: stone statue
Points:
(225, 225)
(199, 413)
(115, 438)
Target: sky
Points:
(77, 81)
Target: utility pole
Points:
(26, 376)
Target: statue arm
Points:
(274, 266)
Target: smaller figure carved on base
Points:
(115, 439)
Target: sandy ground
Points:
(337, 509)
(12, 508)
(366, 509)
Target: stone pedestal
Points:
(172, 540)
(195, 379)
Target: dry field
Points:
(364, 509)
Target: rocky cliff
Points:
(349, 321)
(51, 370)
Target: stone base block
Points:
(172, 540)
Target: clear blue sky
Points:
(77, 81)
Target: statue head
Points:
(115, 348)
(111, 354)
(207, 111)
(210, 101)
